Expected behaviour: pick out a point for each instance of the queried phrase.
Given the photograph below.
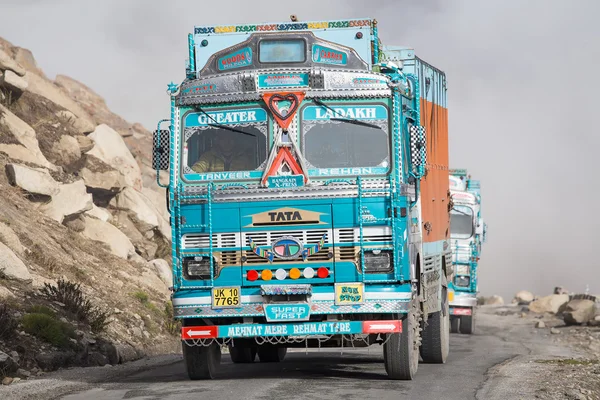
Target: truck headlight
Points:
(462, 269)
(197, 267)
(378, 261)
(462, 281)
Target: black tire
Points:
(242, 354)
(401, 350)
(467, 324)
(201, 362)
(270, 353)
(436, 332)
(454, 324)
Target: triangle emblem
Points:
(284, 164)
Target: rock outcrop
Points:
(579, 311)
(549, 304)
(11, 266)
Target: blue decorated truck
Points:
(308, 193)
(467, 233)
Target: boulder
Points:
(524, 297)
(149, 278)
(156, 199)
(99, 213)
(595, 322)
(13, 82)
(85, 143)
(119, 244)
(163, 270)
(494, 301)
(8, 63)
(110, 148)
(93, 104)
(82, 126)
(127, 353)
(25, 58)
(549, 304)
(45, 88)
(137, 206)
(5, 293)
(34, 181)
(75, 222)
(28, 148)
(71, 199)
(11, 266)
(67, 150)
(579, 311)
(540, 324)
(99, 176)
(560, 290)
(10, 238)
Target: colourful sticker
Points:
(368, 81)
(318, 113)
(349, 293)
(282, 80)
(229, 117)
(237, 59)
(326, 55)
(201, 89)
(285, 181)
(287, 312)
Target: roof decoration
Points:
(294, 26)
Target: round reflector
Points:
(252, 275)
(266, 275)
(309, 273)
(280, 274)
(295, 273)
(322, 272)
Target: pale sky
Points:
(522, 88)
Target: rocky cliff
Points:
(80, 212)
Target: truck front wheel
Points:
(201, 362)
(454, 324)
(467, 324)
(401, 351)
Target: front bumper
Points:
(464, 300)
(197, 304)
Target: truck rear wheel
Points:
(201, 362)
(401, 350)
(467, 324)
(436, 333)
(242, 354)
(270, 353)
(454, 324)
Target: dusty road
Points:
(495, 363)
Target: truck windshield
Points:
(229, 140)
(461, 222)
(334, 140)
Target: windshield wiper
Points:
(215, 124)
(343, 119)
(461, 212)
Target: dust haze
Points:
(522, 89)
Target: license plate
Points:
(226, 297)
(349, 293)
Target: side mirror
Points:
(418, 150)
(484, 236)
(160, 149)
(479, 227)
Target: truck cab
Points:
(308, 192)
(467, 233)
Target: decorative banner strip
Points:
(262, 252)
(272, 81)
(293, 329)
(282, 27)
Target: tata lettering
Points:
(285, 216)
